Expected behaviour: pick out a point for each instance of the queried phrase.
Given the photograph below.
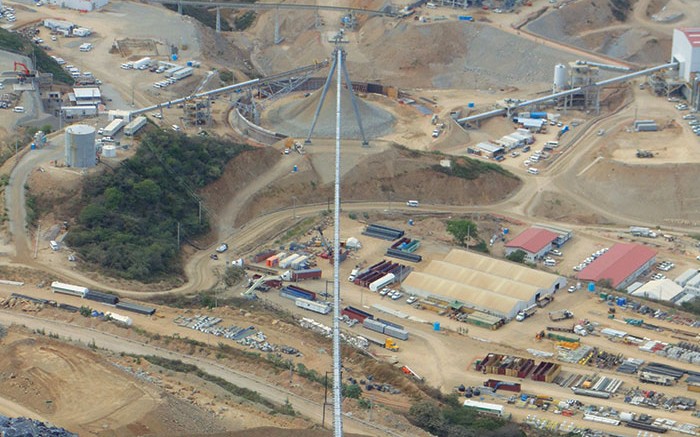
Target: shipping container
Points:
(101, 297)
(262, 256)
(374, 325)
(136, 308)
(401, 334)
(300, 263)
(496, 385)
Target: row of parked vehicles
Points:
(8, 12)
(590, 259)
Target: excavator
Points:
(328, 253)
(23, 71)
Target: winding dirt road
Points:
(306, 407)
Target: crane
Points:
(328, 254)
(250, 292)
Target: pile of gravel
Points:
(23, 427)
(295, 118)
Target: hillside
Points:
(130, 219)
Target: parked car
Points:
(555, 252)
(411, 300)
(572, 289)
(222, 248)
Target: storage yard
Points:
(598, 197)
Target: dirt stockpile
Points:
(596, 25)
(643, 186)
(294, 118)
(437, 55)
(396, 174)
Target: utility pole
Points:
(200, 211)
(178, 235)
(294, 207)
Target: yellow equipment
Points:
(391, 345)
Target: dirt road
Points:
(305, 407)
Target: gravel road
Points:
(305, 407)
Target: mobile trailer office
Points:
(73, 290)
(135, 125)
(113, 127)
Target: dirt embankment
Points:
(393, 175)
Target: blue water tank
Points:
(470, 104)
(32, 147)
(436, 326)
(295, 169)
(505, 231)
(621, 301)
(173, 57)
(410, 222)
(591, 287)
(189, 63)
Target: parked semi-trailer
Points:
(382, 282)
(181, 74)
(135, 125)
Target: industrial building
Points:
(535, 242)
(482, 283)
(85, 96)
(686, 51)
(80, 148)
(664, 289)
(80, 5)
(70, 112)
(621, 265)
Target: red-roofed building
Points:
(686, 51)
(621, 265)
(535, 242)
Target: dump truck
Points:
(556, 316)
(527, 312)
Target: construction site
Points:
(562, 136)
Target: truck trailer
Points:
(181, 74)
(135, 125)
(382, 282)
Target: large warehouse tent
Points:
(486, 284)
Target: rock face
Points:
(294, 118)
(21, 427)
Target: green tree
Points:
(518, 256)
(462, 230)
(113, 198)
(353, 391)
(428, 416)
(226, 76)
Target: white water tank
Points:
(109, 151)
(560, 78)
(80, 146)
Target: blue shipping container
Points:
(466, 18)
(538, 115)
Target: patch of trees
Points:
(692, 306)
(454, 420)
(470, 169)
(620, 9)
(17, 43)
(244, 21)
(128, 226)
(466, 234)
(517, 256)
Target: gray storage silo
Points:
(80, 146)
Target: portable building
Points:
(286, 262)
(181, 74)
(142, 63)
(81, 31)
(170, 71)
(300, 262)
(113, 127)
(135, 125)
(484, 407)
(317, 307)
(382, 282)
(119, 318)
(74, 290)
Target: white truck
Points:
(527, 312)
(135, 125)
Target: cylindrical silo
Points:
(80, 146)
(109, 151)
(560, 78)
